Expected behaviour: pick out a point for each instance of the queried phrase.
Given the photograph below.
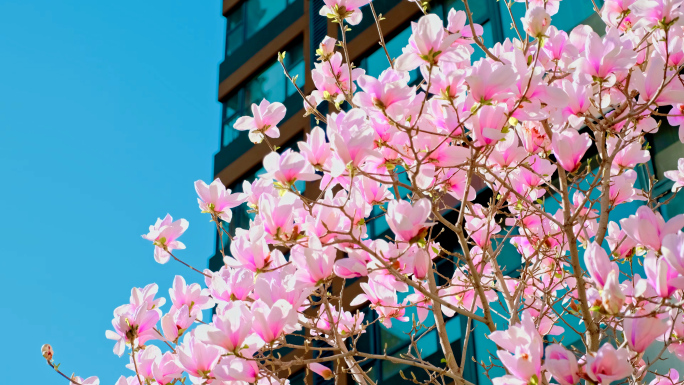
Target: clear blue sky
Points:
(108, 114)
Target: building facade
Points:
(258, 29)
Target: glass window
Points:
(249, 18)
(270, 84)
(261, 12)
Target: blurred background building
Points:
(258, 29)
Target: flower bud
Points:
(46, 350)
(536, 22)
(322, 370)
(612, 296)
(326, 49)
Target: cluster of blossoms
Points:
(550, 128)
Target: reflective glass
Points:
(269, 85)
(297, 70)
(234, 40)
(232, 105)
(261, 12)
(229, 133)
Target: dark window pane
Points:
(261, 12)
(231, 106)
(667, 149)
(269, 85)
(234, 40)
(296, 70)
(229, 133)
(234, 19)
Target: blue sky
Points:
(108, 114)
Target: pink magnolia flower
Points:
(522, 348)
(277, 215)
(630, 156)
(176, 322)
(622, 245)
(192, 295)
(88, 381)
(314, 263)
(217, 200)
(603, 58)
(456, 24)
(388, 93)
(326, 49)
(487, 126)
(316, 150)
(641, 331)
(677, 176)
(145, 360)
(673, 251)
(288, 167)
(123, 380)
(578, 102)
(676, 118)
(344, 9)
(235, 369)
(164, 235)
(333, 77)
(507, 153)
(166, 370)
(197, 358)
(351, 138)
(536, 22)
(257, 189)
(569, 148)
(661, 276)
(613, 10)
(408, 221)
(598, 264)
(373, 192)
(489, 81)
(270, 322)
(612, 297)
(656, 11)
(133, 326)
(229, 329)
(321, 370)
(648, 228)
(608, 365)
(250, 250)
(429, 45)
(265, 121)
(350, 268)
(671, 378)
(230, 284)
(649, 84)
(144, 297)
(562, 364)
(622, 188)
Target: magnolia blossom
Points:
(429, 45)
(569, 148)
(217, 200)
(266, 117)
(608, 365)
(536, 21)
(164, 234)
(677, 176)
(562, 364)
(408, 221)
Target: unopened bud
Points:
(536, 22)
(612, 296)
(46, 350)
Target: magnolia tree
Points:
(550, 125)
